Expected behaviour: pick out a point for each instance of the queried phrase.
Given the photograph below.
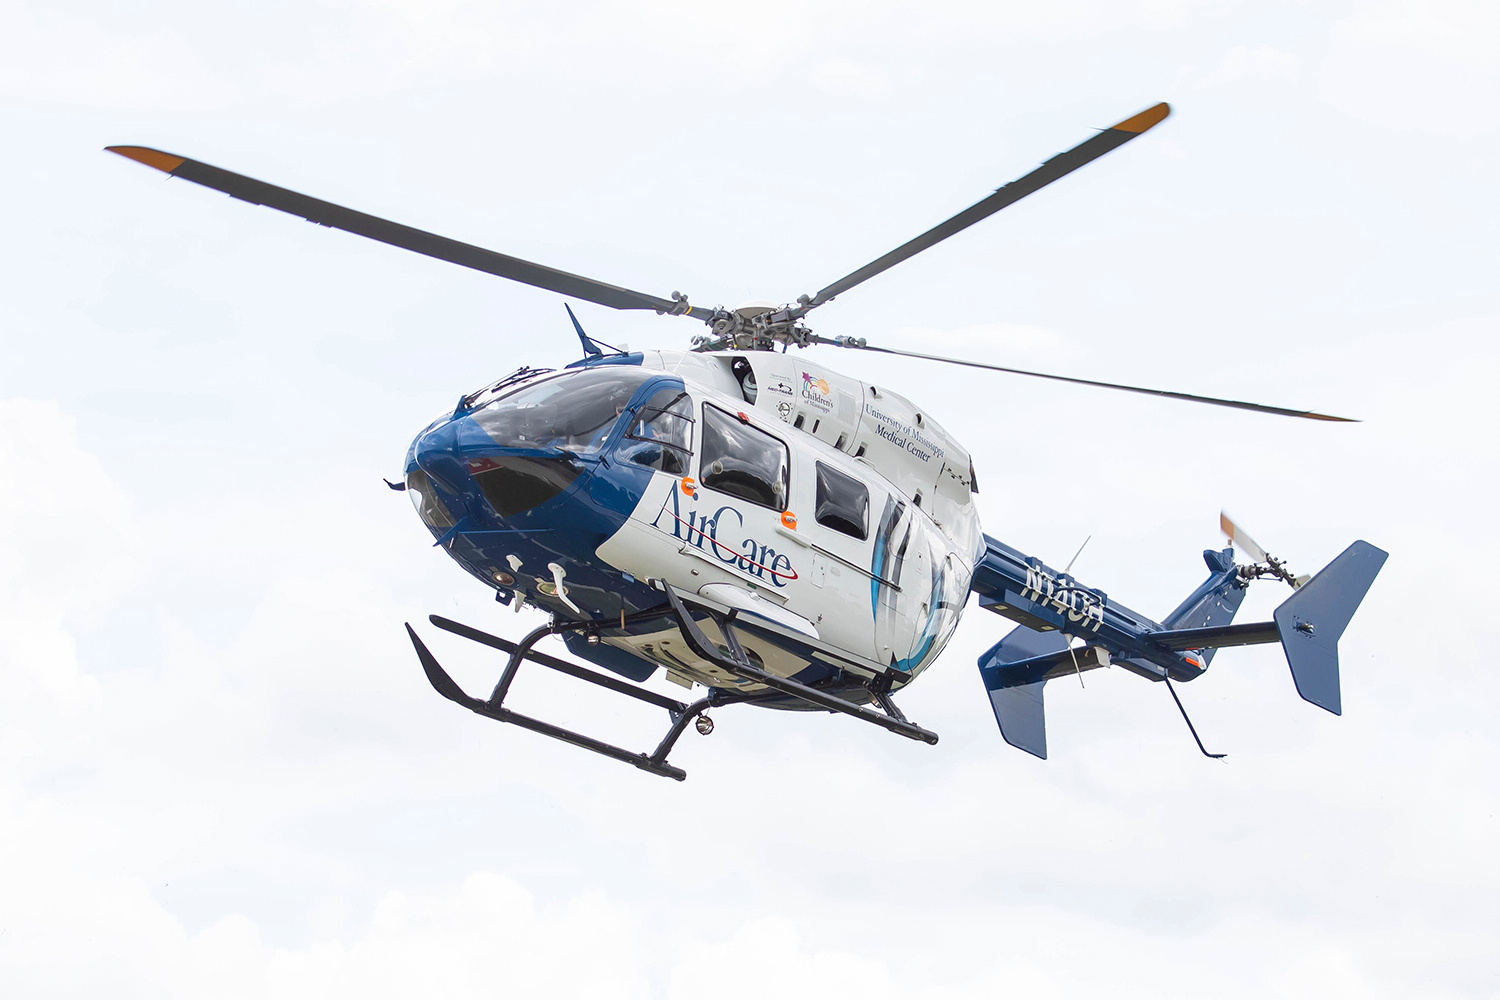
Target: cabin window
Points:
(843, 503)
(661, 432)
(742, 461)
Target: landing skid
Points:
(732, 659)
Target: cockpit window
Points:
(661, 432)
(500, 387)
(742, 461)
(573, 412)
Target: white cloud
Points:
(1258, 63)
(1323, 972)
(800, 967)
(72, 59)
(1417, 65)
(986, 342)
(838, 75)
(69, 544)
(486, 933)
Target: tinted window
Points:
(517, 483)
(661, 434)
(574, 412)
(742, 461)
(424, 497)
(843, 503)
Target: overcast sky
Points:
(222, 772)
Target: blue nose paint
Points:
(515, 511)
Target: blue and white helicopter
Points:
(763, 530)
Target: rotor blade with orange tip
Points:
(1059, 166)
(325, 213)
(1239, 539)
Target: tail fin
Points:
(1016, 690)
(1311, 621)
(1308, 626)
(1216, 600)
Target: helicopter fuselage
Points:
(834, 516)
(759, 525)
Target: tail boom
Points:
(1053, 610)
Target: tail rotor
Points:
(1263, 565)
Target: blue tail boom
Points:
(1054, 611)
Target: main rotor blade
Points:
(1236, 404)
(337, 217)
(1059, 166)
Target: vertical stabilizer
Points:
(1215, 602)
(1015, 691)
(1312, 620)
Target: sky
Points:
(222, 772)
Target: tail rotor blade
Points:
(1239, 539)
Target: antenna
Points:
(1076, 668)
(1077, 554)
(590, 349)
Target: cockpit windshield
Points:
(574, 412)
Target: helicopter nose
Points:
(436, 452)
(460, 458)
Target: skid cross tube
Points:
(561, 666)
(493, 708)
(738, 664)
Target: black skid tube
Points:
(736, 663)
(654, 763)
(561, 666)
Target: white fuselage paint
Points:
(695, 537)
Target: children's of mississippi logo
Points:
(816, 393)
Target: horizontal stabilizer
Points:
(1312, 620)
(1217, 637)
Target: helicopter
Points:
(763, 530)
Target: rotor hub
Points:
(754, 327)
